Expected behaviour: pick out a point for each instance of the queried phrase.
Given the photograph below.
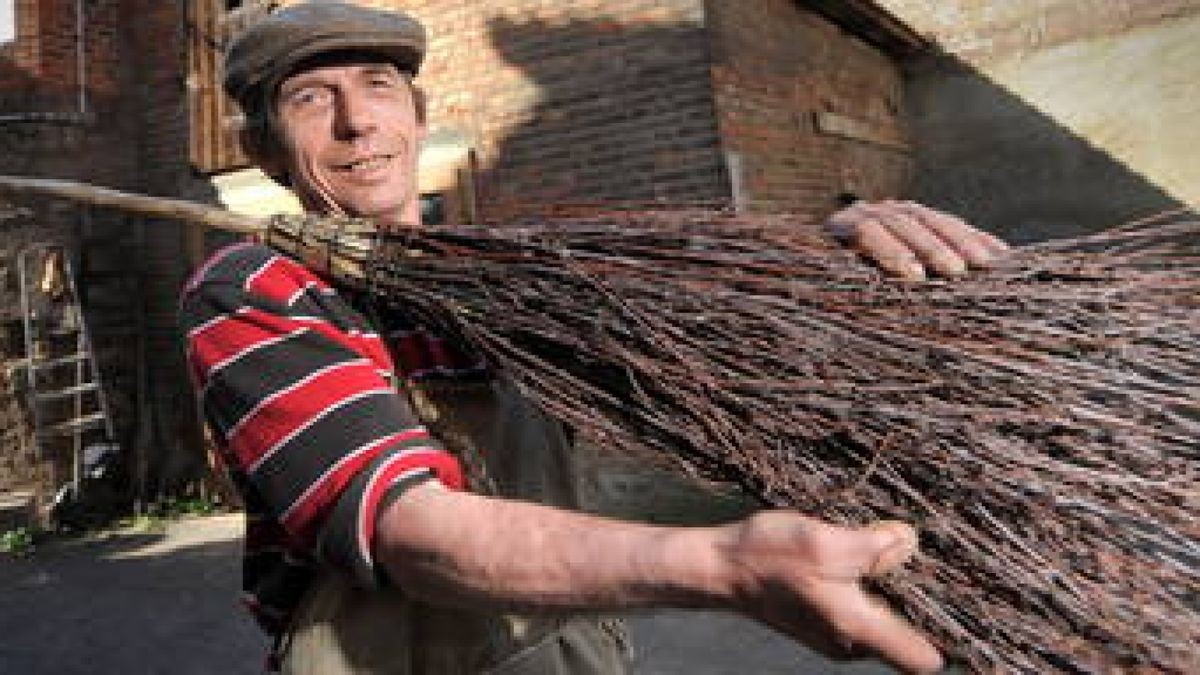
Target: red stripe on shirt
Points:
(222, 341)
(275, 281)
(280, 279)
(307, 510)
(202, 272)
(444, 465)
(372, 347)
(272, 424)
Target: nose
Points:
(353, 116)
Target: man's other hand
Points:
(910, 240)
(804, 577)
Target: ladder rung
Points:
(77, 424)
(68, 392)
(61, 361)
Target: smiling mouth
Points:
(365, 164)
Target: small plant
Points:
(178, 507)
(18, 542)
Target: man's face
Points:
(351, 136)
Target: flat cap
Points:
(267, 50)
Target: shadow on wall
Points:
(599, 110)
(984, 153)
(626, 112)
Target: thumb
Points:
(889, 544)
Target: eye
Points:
(307, 97)
(382, 81)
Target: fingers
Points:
(977, 248)
(866, 624)
(876, 241)
(880, 631)
(806, 580)
(907, 239)
(994, 243)
(894, 543)
(924, 241)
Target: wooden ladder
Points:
(66, 397)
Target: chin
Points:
(384, 213)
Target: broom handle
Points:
(159, 207)
(320, 243)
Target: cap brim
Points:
(406, 55)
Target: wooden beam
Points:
(154, 207)
(872, 23)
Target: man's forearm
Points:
(494, 554)
(796, 574)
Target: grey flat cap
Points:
(269, 49)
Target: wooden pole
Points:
(155, 207)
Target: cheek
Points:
(302, 141)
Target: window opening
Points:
(8, 21)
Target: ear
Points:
(421, 106)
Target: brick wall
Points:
(567, 101)
(172, 449)
(576, 101)
(777, 72)
(45, 129)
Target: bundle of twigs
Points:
(1040, 422)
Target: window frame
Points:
(214, 120)
(13, 25)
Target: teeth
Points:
(367, 164)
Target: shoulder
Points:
(257, 270)
(260, 284)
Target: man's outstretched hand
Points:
(804, 578)
(910, 240)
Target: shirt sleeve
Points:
(299, 395)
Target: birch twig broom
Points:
(1040, 423)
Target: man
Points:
(365, 553)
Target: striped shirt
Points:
(299, 391)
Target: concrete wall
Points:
(1056, 117)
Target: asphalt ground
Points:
(165, 601)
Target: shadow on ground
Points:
(130, 603)
(138, 603)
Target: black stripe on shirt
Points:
(236, 389)
(293, 467)
(239, 265)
